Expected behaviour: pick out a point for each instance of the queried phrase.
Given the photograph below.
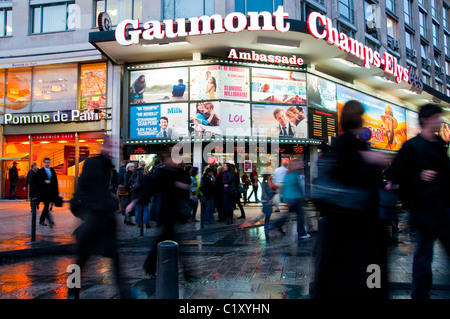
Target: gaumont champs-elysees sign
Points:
(354, 47)
(234, 22)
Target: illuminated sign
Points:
(233, 22)
(270, 58)
(355, 48)
(58, 117)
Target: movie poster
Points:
(412, 124)
(322, 124)
(280, 121)
(278, 86)
(321, 93)
(158, 85)
(159, 120)
(211, 82)
(386, 120)
(212, 118)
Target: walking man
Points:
(422, 167)
(48, 191)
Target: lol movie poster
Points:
(386, 120)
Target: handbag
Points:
(332, 196)
(58, 201)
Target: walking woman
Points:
(229, 192)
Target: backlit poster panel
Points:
(212, 118)
(158, 85)
(211, 82)
(278, 86)
(159, 120)
(279, 121)
(386, 121)
(412, 124)
(321, 93)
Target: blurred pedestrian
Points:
(48, 190)
(194, 192)
(239, 192)
(31, 183)
(169, 180)
(218, 194)
(245, 185)
(138, 175)
(348, 243)
(292, 192)
(254, 181)
(126, 194)
(208, 197)
(422, 167)
(278, 178)
(229, 192)
(267, 193)
(97, 234)
(13, 180)
(114, 181)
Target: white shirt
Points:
(279, 174)
(49, 172)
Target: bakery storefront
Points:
(254, 90)
(55, 111)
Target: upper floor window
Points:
(407, 12)
(52, 17)
(445, 17)
(5, 22)
(371, 19)
(423, 24)
(118, 10)
(346, 10)
(391, 5)
(174, 9)
(245, 6)
(434, 9)
(435, 31)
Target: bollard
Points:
(33, 218)
(141, 221)
(167, 270)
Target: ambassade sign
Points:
(128, 31)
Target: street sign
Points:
(366, 134)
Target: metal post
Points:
(33, 218)
(141, 220)
(167, 270)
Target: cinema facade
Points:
(255, 89)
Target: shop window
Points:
(245, 6)
(6, 22)
(93, 86)
(173, 9)
(118, 10)
(2, 91)
(54, 88)
(16, 149)
(18, 90)
(53, 17)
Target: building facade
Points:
(253, 82)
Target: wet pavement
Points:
(225, 261)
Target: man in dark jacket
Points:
(48, 191)
(422, 168)
(13, 179)
(97, 235)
